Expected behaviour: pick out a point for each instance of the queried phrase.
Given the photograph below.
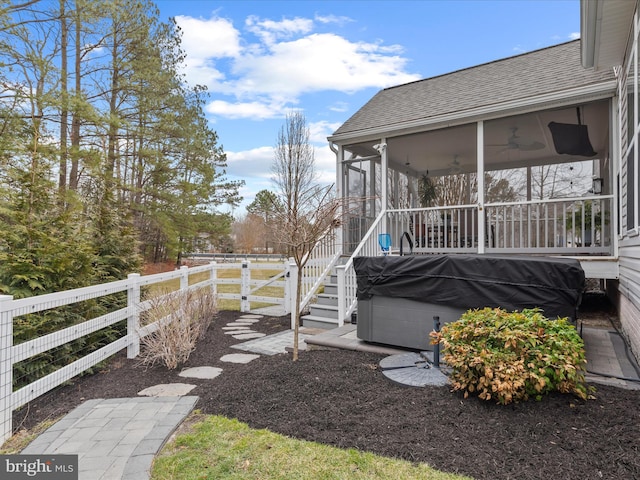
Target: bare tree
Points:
(249, 233)
(306, 211)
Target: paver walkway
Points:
(115, 438)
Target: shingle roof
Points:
(539, 72)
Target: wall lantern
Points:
(597, 186)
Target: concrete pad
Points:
(167, 390)
(248, 336)
(206, 373)
(239, 357)
(412, 369)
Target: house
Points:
(533, 154)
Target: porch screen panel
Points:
(359, 214)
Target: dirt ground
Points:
(341, 398)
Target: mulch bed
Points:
(341, 398)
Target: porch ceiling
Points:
(450, 150)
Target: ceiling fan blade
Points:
(531, 146)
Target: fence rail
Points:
(209, 277)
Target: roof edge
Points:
(596, 91)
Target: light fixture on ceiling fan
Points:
(515, 142)
(454, 167)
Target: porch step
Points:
(328, 311)
(331, 288)
(313, 321)
(327, 299)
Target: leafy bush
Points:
(509, 357)
(182, 318)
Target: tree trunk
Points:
(75, 121)
(64, 112)
(296, 325)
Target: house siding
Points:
(629, 246)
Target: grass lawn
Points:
(219, 448)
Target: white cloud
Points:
(264, 79)
(320, 62)
(210, 38)
(339, 20)
(250, 110)
(339, 107)
(205, 41)
(269, 30)
(574, 35)
(319, 131)
(254, 163)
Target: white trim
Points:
(480, 181)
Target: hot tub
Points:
(398, 296)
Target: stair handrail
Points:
(325, 244)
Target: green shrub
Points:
(509, 357)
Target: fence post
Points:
(286, 301)
(213, 277)
(293, 280)
(184, 277)
(133, 320)
(342, 294)
(245, 286)
(6, 367)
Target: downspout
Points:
(616, 152)
(480, 170)
(590, 21)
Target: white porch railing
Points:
(570, 226)
(10, 309)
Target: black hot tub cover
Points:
(554, 285)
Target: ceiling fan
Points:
(454, 167)
(515, 142)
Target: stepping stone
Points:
(167, 390)
(235, 328)
(247, 320)
(207, 373)
(233, 332)
(247, 336)
(239, 324)
(251, 315)
(239, 357)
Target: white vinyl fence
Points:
(10, 309)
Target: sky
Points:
(262, 60)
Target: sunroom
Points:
(510, 157)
